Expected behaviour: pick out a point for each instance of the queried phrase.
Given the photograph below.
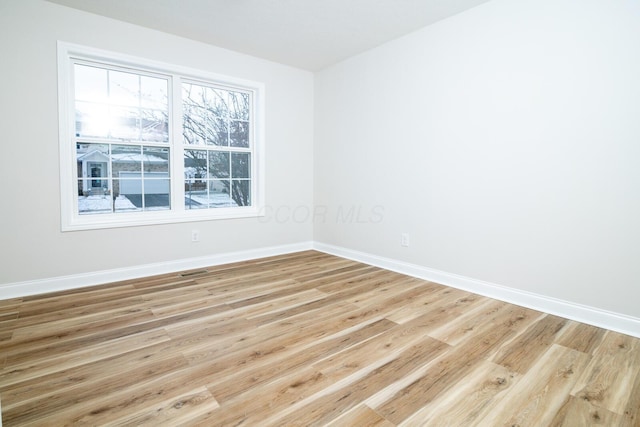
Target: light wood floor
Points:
(305, 339)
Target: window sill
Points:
(137, 219)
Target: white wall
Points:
(31, 243)
(504, 140)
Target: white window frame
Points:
(71, 220)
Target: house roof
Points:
(99, 156)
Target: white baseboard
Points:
(63, 283)
(585, 314)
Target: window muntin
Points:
(147, 143)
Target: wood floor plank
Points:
(456, 364)
(391, 291)
(484, 385)
(332, 281)
(88, 297)
(253, 409)
(72, 392)
(609, 379)
(305, 339)
(346, 395)
(85, 376)
(54, 330)
(283, 392)
(434, 296)
(523, 352)
(470, 322)
(42, 317)
(540, 393)
(177, 410)
(8, 321)
(284, 304)
(191, 302)
(25, 351)
(48, 363)
(266, 350)
(367, 280)
(581, 337)
(361, 415)
(332, 299)
(577, 412)
(234, 345)
(378, 350)
(236, 383)
(20, 352)
(326, 276)
(103, 408)
(10, 304)
(631, 414)
(285, 289)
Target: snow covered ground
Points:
(103, 204)
(214, 200)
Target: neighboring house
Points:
(120, 172)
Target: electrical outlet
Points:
(404, 239)
(195, 235)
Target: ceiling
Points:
(307, 34)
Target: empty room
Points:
(295, 212)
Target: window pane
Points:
(195, 164)
(192, 94)
(205, 113)
(241, 192)
(239, 105)
(153, 92)
(92, 120)
(89, 203)
(155, 125)
(195, 195)
(239, 133)
(240, 165)
(131, 187)
(192, 135)
(90, 84)
(124, 89)
(121, 202)
(194, 127)
(125, 123)
(147, 194)
(156, 193)
(88, 155)
(218, 102)
(95, 186)
(218, 164)
(126, 158)
(195, 185)
(219, 196)
(217, 131)
(156, 160)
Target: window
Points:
(217, 122)
(148, 143)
